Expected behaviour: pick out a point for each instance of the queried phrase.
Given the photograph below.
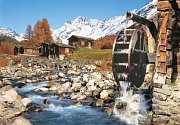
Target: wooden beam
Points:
(165, 5)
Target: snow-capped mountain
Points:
(91, 28)
(95, 29)
(10, 33)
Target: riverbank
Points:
(69, 79)
(73, 85)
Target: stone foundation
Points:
(166, 104)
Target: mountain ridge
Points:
(91, 28)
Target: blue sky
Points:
(17, 14)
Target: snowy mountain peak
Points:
(10, 33)
(91, 28)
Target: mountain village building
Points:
(80, 42)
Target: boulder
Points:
(76, 86)
(66, 86)
(62, 75)
(121, 105)
(104, 94)
(41, 89)
(50, 83)
(82, 97)
(54, 88)
(99, 103)
(21, 121)
(85, 78)
(9, 96)
(26, 101)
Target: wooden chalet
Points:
(53, 50)
(65, 49)
(80, 42)
(26, 49)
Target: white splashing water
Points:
(134, 106)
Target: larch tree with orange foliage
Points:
(38, 33)
(47, 31)
(42, 32)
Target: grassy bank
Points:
(94, 54)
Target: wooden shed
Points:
(65, 49)
(79, 41)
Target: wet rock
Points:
(61, 75)
(77, 104)
(100, 103)
(26, 101)
(121, 105)
(20, 85)
(46, 101)
(82, 97)
(41, 89)
(109, 111)
(35, 107)
(50, 83)
(65, 87)
(21, 121)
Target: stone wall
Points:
(166, 104)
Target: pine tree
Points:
(47, 31)
(29, 33)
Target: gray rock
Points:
(163, 91)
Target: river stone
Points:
(54, 88)
(82, 97)
(104, 94)
(62, 75)
(101, 84)
(9, 96)
(41, 89)
(85, 78)
(29, 81)
(163, 91)
(121, 105)
(46, 101)
(26, 101)
(66, 86)
(21, 121)
(50, 83)
(99, 103)
(76, 86)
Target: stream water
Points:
(62, 112)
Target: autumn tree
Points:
(29, 33)
(38, 32)
(47, 31)
(42, 32)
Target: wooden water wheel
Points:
(130, 57)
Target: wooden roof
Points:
(81, 37)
